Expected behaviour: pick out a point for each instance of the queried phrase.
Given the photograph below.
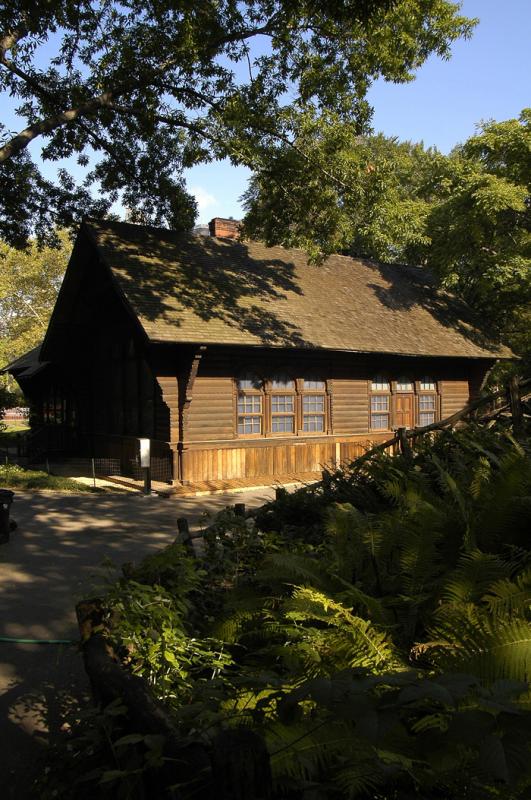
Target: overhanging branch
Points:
(47, 125)
(23, 139)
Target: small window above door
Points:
(380, 384)
(404, 385)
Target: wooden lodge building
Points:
(241, 361)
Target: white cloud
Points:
(204, 199)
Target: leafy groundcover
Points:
(14, 477)
(371, 631)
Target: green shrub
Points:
(374, 629)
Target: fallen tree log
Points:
(237, 765)
(110, 681)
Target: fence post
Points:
(516, 406)
(403, 444)
(239, 509)
(184, 536)
(183, 528)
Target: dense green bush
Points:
(374, 630)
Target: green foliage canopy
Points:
(29, 283)
(136, 91)
(480, 227)
(466, 216)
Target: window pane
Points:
(282, 424)
(426, 418)
(404, 385)
(249, 404)
(380, 384)
(310, 384)
(281, 382)
(427, 402)
(380, 403)
(281, 403)
(379, 422)
(250, 425)
(250, 382)
(313, 402)
(313, 422)
(427, 384)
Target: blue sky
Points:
(488, 77)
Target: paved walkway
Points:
(54, 559)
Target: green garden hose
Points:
(14, 640)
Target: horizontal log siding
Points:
(212, 411)
(167, 409)
(350, 406)
(454, 396)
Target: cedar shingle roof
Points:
(196, 289)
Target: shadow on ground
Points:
(55, 558)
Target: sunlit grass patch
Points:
(15, 477)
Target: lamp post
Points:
(145, 463)
(6, 499)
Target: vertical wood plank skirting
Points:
(266, 461)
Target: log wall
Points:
(454, 396)
(350, 406)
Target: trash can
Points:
(6, 498)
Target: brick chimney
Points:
(224, 228)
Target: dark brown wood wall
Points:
(167, 409)
(350, 406)
(212, 412)
(454, 395)
(212, 409)
(211, 450)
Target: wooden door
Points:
(404, 411)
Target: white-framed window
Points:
(404, 385)
(427, 409)
(282, 384)
(283, 396)
(427, 384)
(313, 405)
(250, 406)
(380, 412)
(380, 384)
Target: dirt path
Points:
(53, 559)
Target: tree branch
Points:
(105, 145)
(10, 39)
(166, 119)
(37, 316)
(44, 126)
(26, 77)
(23, 139)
